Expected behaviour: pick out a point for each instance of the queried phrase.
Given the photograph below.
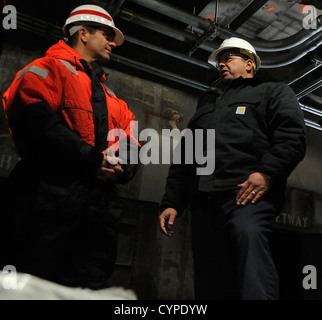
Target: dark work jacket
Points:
(259, 127)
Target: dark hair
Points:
(72, 40)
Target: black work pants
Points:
(61, 230)
(231, 249)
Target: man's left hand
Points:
(253, 188)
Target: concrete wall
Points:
(153, 105)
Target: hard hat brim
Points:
(213, 58)
(118, 39)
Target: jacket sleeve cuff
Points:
(92, 159)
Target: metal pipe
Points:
(166, 30)
(313, 124)
(313, 100)
(267, 62)
(312, 87)
(309, 109)
(175, 13)
(38, 26)
(116, 8)
(289, 57)
(159, 72)
(247, 13)
(223, 32)
(157, 26)
(305, 72)
(282, 44)
(216, 11)
(169, 52)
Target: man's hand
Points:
(253, 188)
(166, 220)
(110, 168)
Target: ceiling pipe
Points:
(116, 9)
(313, 124)
(309, 109)
(267, 62)
(169, 52)
(287, 58)
(224, 33)
(158, 26)
(313, 100)
(38, 27)
(175, 13)
(162, 28)
(287, 43)
(247, 13)
(161, 73)
(316, 64)
(42, 28)
(216, 11)
(310, 88)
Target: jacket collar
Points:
(61, 50)
(243, 81)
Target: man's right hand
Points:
(166, 220)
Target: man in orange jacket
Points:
(61, 202)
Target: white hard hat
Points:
(244, 47)
(89, 14)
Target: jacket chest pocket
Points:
(243, 115)
(239, 123)
(78, 110)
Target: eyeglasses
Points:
(108, 34)
(227, 58)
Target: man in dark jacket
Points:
(259, 140)
(61, 207)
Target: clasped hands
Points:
(110, 167)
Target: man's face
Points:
(232, 65)
(100, 44)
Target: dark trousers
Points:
(231, 248)
(64, 231)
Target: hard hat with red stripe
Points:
(93, 15)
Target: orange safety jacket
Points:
(59, 79)
(58, 108)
